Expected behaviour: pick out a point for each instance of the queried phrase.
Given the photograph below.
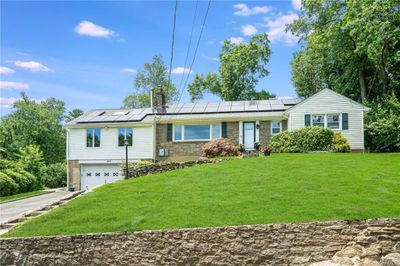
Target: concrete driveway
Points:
(16, 208)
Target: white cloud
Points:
(276, 29)
(90, 29)
(6, 70)
(32, 66)
(129, 70)
(181, 70)
(296, 4)
(245, 10)
(7, 102)
(236, 40)
(248, 30)
(11, 85)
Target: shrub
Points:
(26, 181)
(7, 185)
(55, 175)
(219, 148)
(340, 143)
(303, 140)
(382, 125)
(31, 160)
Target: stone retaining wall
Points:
(278, 244)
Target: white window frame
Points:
(326, 120)
(280, 127)
(92, 147)
(123, 146)
(191, 140)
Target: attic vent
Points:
(121, 113)
(102, 113)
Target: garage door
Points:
(100, 174)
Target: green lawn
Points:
(22, 195)
(280, 188)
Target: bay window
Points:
(197, 132)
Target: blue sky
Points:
(86, 52)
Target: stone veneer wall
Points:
(74, 174)
(278, 244)
(188, 150)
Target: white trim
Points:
(101, 135)
(240, 132)
(257, 129)
(67, 156)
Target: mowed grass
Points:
(4, 199)
(277, 189)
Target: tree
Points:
(153, 77)
(241, 68)
(74, 113)
(34, 123)
(352, 47)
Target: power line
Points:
(195, 52)
(188, 49)
(173, 42)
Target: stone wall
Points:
(278, 244)
(74, 175)
(188, 150)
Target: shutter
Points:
(169, 132)
(224, 130)
(307, 120)
(345, 121)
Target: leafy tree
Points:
(31, 160)
(241, 68)
(352, 47)
(37, 124)
(382, 129)
(74, 113)
(153, 77)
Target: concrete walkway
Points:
(17, 208)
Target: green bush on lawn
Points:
(55, 175)
(309, 139)
(7, 185)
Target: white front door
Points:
(94, 175)
(249, 135)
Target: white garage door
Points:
(99, 174)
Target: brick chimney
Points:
(160, 102)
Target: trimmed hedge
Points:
(309, 139)
(7, 185)
(55, 175)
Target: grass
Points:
(22, 195)
(280, 188)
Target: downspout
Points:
(67, 156)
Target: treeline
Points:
(32, 141)
(353, 47)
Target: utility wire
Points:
(195, 52)
(173, 42)
(188, 49)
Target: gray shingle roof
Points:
(136, 115)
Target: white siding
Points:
(328, 102)
(142, 147)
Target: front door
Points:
(249, 135)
